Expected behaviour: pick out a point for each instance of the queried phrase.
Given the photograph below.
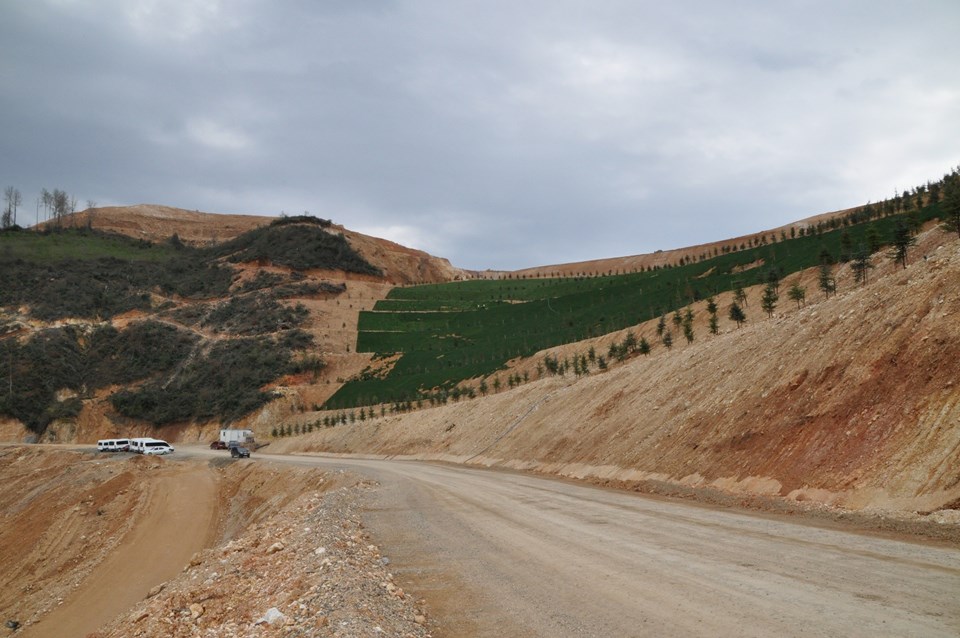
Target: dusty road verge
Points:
(176, 520)
(498, 553)
(85, 537)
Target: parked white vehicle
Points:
(113, 445)
(149, 445)
(229, 436)
(156, 446)
(136, 445)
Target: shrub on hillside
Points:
(82, 361)
(263, 279)
(301, 219)
(144, 349)
(75, 288)
(251, 315)
(105, 287)
(296, 246)
(194, 278)
(224, 384)
(308, 289)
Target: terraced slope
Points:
(450, 333)
(851, 400)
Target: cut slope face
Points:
(86, 536)
(851, 401)
(117, 526)
(459, 333)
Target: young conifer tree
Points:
(736, 314)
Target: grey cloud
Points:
(496, 134)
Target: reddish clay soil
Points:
(115, 545)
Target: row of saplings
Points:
(681, 323)
(578, 364)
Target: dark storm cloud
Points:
(496, 134)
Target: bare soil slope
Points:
(71, 518)
(851, 401)
(157, 547)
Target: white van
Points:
(136, 445)
(156, 446)
(113, 445)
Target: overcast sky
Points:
(499, 134)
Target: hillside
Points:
(156, 224)
(296, 324)
(103, 334)
(456, 337)
(851, 401)
(276, 299)
(668, 257)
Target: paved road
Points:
(503, 554)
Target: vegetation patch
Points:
(263, 279)
(251, 315)
(286, 220)
(309, 289)
(79, 273)
(53, 245)
(449, 333)
(179, 381)
(82, 360)
(300, 246)
(224, 384)
(82, 274)
(104, 287)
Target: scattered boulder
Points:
(272, 616)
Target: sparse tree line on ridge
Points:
(55, 204)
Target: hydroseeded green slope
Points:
(448, 333)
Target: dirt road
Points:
(179, 519)
(499, 554)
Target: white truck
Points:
(236, 437)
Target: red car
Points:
(218, 445)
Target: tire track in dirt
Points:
(179, 519)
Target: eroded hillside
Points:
(851, 400)
(105, 336)
(848, 400)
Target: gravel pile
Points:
(308, 570)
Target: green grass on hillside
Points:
(452, 332)
(53, 246)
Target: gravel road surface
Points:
(505, 554)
